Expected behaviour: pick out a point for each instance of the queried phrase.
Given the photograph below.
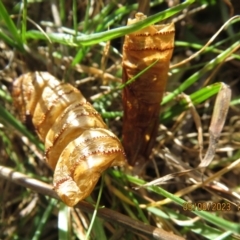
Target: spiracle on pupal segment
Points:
(78, 145)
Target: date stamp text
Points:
(209, 206)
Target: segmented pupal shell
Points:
(142, 98)
(78, 145)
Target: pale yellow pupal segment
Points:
(27, 89)
(41, 96)
(53, 101)
(68, 126)
(83, 161)
(78, 145)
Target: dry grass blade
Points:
(164, 179)
(218, 119)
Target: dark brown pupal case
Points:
(142, 98)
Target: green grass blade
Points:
(99, 37)
(5, 17)
(87, 40)
(43, 221)
(212, 48)
(235, 101)
(8, 40)
(24, 21)
(211, 218)
(95, 213)
(197, 75)
(64, 225)
(100, 22)
(196, 98)
(111, 114)
(10, 119)
(199, 227)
